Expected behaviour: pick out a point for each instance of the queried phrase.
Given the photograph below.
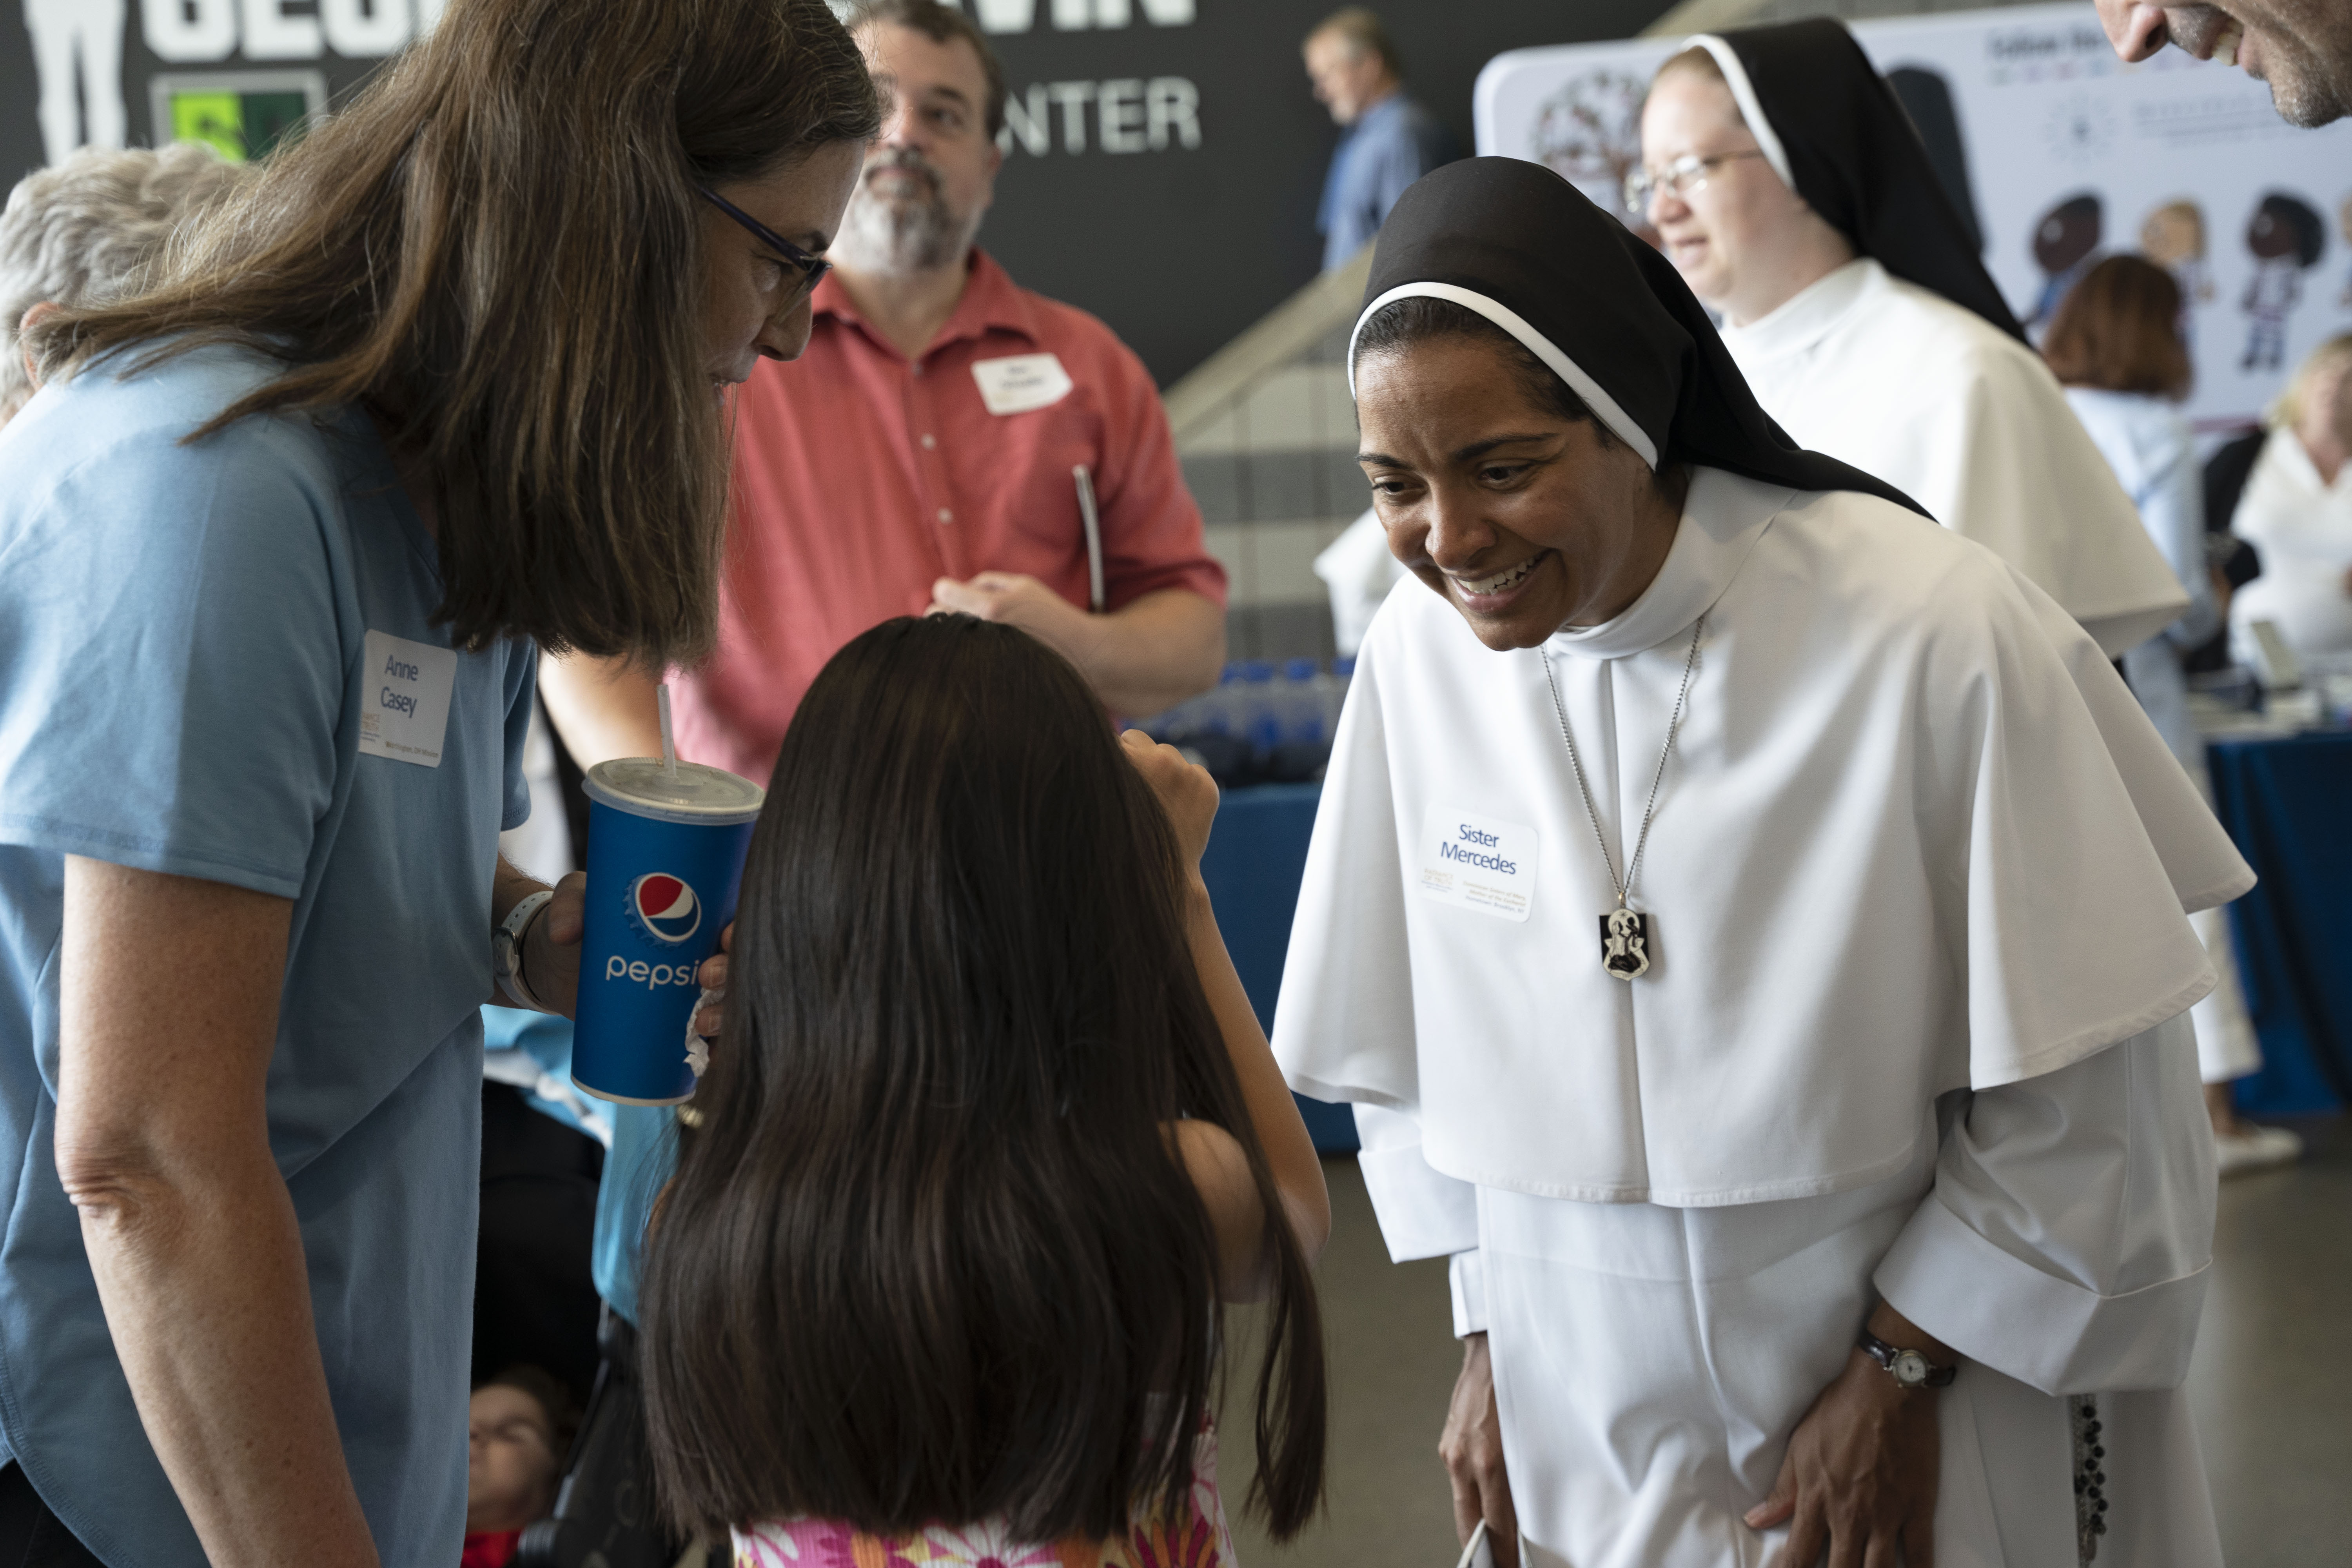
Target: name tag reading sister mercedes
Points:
(1478, 862)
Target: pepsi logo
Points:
(665, 908)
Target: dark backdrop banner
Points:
(1163, 156)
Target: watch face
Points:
(1910, 1368)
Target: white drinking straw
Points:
(669, 744)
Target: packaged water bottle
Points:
(1261, 720)
(1302, 704)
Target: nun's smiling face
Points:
(1524, 521)
(1741, 238)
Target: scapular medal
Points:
(1625, 943)
(1625, 932)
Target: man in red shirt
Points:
(924, 455)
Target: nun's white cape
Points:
(1917, 879)
(1970, 423)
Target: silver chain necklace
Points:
(1624, 932)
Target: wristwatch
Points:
(506, 950)
(1908, 1368)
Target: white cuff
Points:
(1422, 1213)
(1467, 1272)
(2041, 1329)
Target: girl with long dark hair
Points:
(990, 1131)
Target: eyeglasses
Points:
(1682, 177)
(811, 267)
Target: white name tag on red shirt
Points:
(405, 706)
(1019, 383)
(1475, 862)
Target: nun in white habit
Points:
(1792, 192)
(1749, 921)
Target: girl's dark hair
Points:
(2119, 329)
(932, 1257)
(1420, 318)
(496, 250)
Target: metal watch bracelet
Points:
(507, 955)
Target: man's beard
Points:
(916, 231)
(2306, 88)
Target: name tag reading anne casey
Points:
(404, 702)
(1478, 862)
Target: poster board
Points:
(2064, 153)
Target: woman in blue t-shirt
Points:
(279, 540)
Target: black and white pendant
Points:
(1625, 943)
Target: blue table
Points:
(2287, 803)
(1256, 860)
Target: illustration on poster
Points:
(2285, 237)
(2173, 157)
(2173, 236)
(1590, 134)
(2065, 243)
(2344, 227)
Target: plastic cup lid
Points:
(698, 794)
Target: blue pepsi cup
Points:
(665, 864)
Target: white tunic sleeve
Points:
(2067, 1239)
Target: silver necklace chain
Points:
(1558, 708)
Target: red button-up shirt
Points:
(861, 478)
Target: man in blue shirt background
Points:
(1387, 140)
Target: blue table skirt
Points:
(1256, 861)
(2287, 803)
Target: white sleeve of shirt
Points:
(2068, 1236)
(1422, 1213)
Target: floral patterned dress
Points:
(1196, 1538)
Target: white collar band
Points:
(1751, 107)
(1603, 406)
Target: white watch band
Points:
(506, 951)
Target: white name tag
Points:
(405, 712)
(1478, 862)
(1023, 381)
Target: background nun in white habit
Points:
(1747, 919)
(1795, 197)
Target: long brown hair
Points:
(496, 250)
(2118, 329)
(931, 1256)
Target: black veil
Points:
(1613, 318)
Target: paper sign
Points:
(1020, 382)
(405, 706)
(1478, 862)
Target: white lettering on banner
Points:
(1168, 115)
(364, 30)
(1072, 16)
(272, 34)
(189, 31)
(1121, 111)
(1073, 97)
(197, 31)
(405, 706)
(1474, 862)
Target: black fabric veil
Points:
(1854, 156)
(1612, 317)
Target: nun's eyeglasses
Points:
(809, 268)
(1680, 178)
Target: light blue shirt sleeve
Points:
(178, 714)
